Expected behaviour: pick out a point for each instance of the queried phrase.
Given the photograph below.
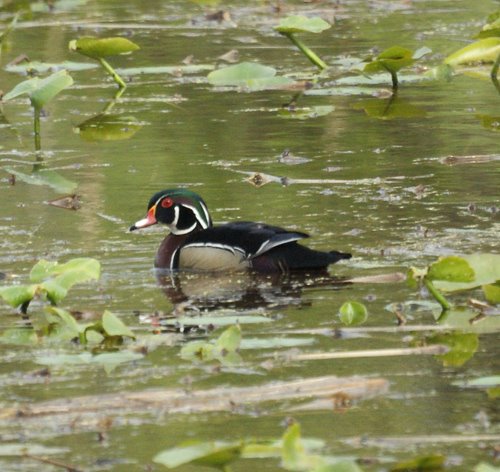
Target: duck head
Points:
(181, 210)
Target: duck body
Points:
(195, 244)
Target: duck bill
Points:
(145, 222)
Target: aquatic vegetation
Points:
(392, 60)
(101, 48)
(353, 313)
(485, 50)
(51, 281)
(40, 92)
(249, 76)
(454, 273)
(296, 24)
(294, 453)
(224, 348)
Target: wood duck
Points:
(195, 244)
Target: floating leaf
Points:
(18, 294)
(41, 91)
(114, 326)
(216, 320)
(110, 359)
(492, 293)
(216, 454)
(180, 69)
(42, 269)
(421, 52)
(451, 269)
(293, 455)
(486, 268)
(19, 336)
(490, 381)
(44, 67)
(302, 24)
(484, 467)
(353, 313)
(98, 48)
(484, 50)
(250, 75)
(24, 449)
(229, 340)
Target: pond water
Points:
(397, 183)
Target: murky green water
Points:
(398, 203)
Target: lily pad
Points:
(216, 454)
(484, 50)
(391, 60)
(44, 67)
(486, 268)
(451, 269)
(41, 91)
(114, 326)
(302, 24)
(353, 313)
(492, 293)
(98, 48)
(180, 69)
(249, 75)
(17, 295)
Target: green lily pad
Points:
(216, 454)
(114, 326)
(41, 91)
(486, 268)
(391, 60)
(19, 336)
(98, 48)
(16, 295)
(109, 359)
(229, 340)
(451, 269)
(44, 67)
(302, 24)
(492, 293)
(484, 467)
(490, 381)
(23, 449)
(249, 75)
(216, 320)
(484, 50)
(353, 313)
(172, 70)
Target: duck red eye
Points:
(167, 202)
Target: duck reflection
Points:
(241, 290)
